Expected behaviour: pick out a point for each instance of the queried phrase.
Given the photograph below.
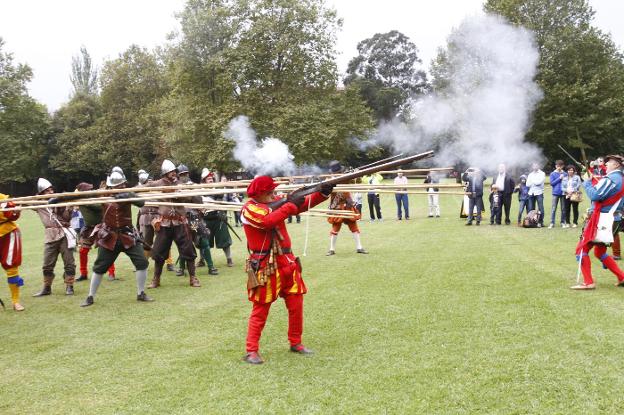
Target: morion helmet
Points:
(43, 184)
(182, 168)
(143, 176)
(167, 167)
(116, 177)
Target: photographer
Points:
(474, 178)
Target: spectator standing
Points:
(357, 199)
(505, 187)
(558, 197)
(535, 182)
(432, 196)
(571, 186)
(374, 204)
(474, 190)
(401, 196)
(523, 198)
(495, 205)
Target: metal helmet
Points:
(115, 179)
(205, 173)
(43, 184)
(167, 167)
(182, 168)
(117, 169)
(143, 176)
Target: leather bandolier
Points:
(116, 224)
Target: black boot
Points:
(46, 290)
(87, 302)
(144, 297)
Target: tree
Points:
(119, 127)
(23, 123)
(83, 76)
(580, 71)
(272, 60)
(386, 73)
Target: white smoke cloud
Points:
(482, 118)
(269, 156)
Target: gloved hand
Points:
(296, 198)
(124, 195)
(326, 189)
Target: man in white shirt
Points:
(535, 183)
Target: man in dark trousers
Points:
(505, 187)
(474, 190)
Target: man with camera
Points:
(474, 178)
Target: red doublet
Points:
(261, 225)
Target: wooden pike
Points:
(98, 192)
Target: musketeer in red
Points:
(272, 268)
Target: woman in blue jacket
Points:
(570, 185)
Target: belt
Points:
(284, 251)
(174, 217)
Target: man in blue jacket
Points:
(556, 177)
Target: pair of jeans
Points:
(401, 199)
(556, 199)
(524, 205)
(539, 199)
(472, 202)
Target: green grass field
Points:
(439, 318)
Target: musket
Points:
(233, 231)
(570, 155)
(344, 178)
(374, 163)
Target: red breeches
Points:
(11, 251)
(600, 251)
(258, 317)
(84, 261)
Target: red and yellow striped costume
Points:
(11, 248)
(264, 227)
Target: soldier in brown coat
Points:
(116, 234)
(172, 225)
(59, 239)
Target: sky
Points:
(46, 34)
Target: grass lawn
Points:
(439, 318)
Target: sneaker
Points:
(179, 273)
(253, 358)
(330, 253)
(213, 271)
(430, 216)
(468, 223)
(552, 225)
(362, 251)
(170, 268)
(539, 225)
(81, 278)
(478, 224)
(574, 225)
